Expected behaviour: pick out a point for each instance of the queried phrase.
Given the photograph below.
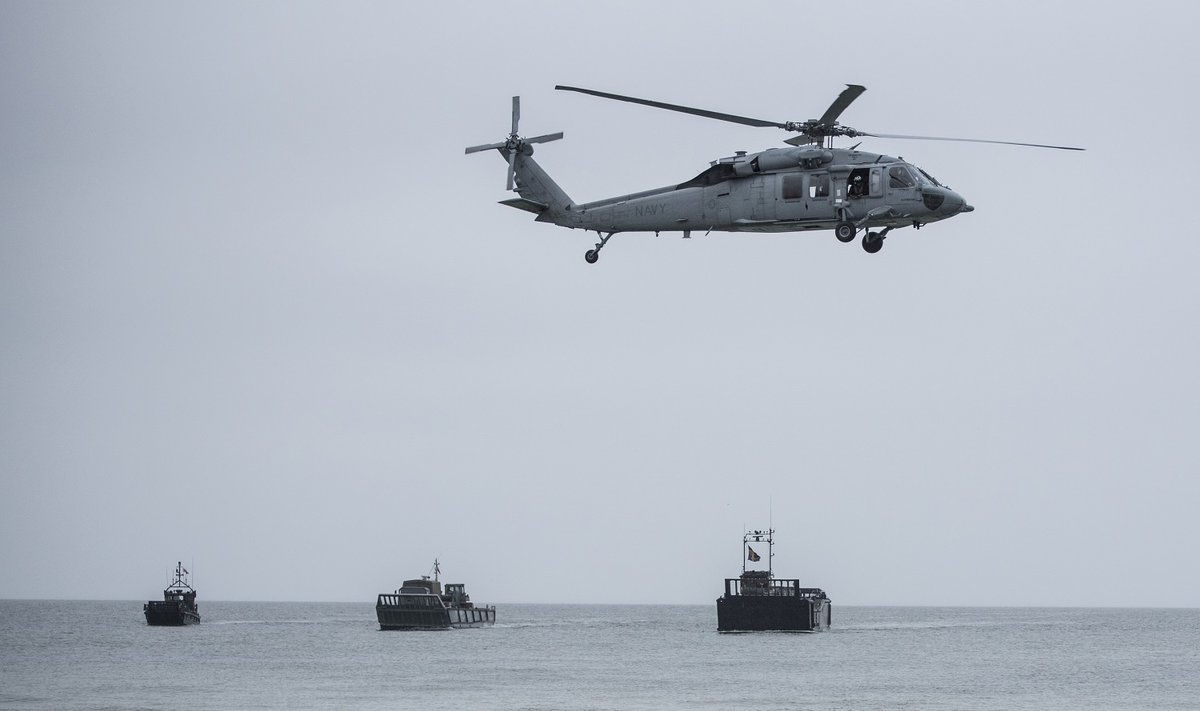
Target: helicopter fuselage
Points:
(776, 190)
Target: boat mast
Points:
(758, 537)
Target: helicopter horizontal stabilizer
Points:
(526, 205)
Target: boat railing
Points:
(774, 587)
(412, 601)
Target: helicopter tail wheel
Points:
(593, 255)
(845, 231)
(872, 242)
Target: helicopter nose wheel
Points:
(872, 242)
(845, 231)
(593, 255)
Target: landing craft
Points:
(811, 185)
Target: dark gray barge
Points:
(757, 601)
(421, 604)
(178, 606)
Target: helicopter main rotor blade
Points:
(968, 140)
(848, 95)
(759, 123)
(544, 139)
(488, 147)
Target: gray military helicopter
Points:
(811, 185)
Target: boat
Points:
(758, 601)
(178, 606)
(422, 604)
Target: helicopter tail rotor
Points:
(515, 144)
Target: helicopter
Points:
(810, 185)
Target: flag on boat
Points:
(754, 557)
(185, 570)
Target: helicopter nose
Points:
(943, 202)
(962, 203)
(955, 203)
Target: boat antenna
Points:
(770, 552)
(770, 536)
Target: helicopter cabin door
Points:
(817, 202)
(864, 183)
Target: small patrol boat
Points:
(758, 601)
(422, 604)
(178, 606)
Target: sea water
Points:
(263, 655)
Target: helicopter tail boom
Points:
(539, 193)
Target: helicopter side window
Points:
(793, 187)
(899, 177)
(818, 186)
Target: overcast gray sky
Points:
(259, 313)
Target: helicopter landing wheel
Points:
(592, 255)
(845, 231)
(872, 242)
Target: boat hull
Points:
(754, 613)
(398, 617)
(161, 613)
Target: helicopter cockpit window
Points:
(929, 177)
(818, 186)
(899, 176)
